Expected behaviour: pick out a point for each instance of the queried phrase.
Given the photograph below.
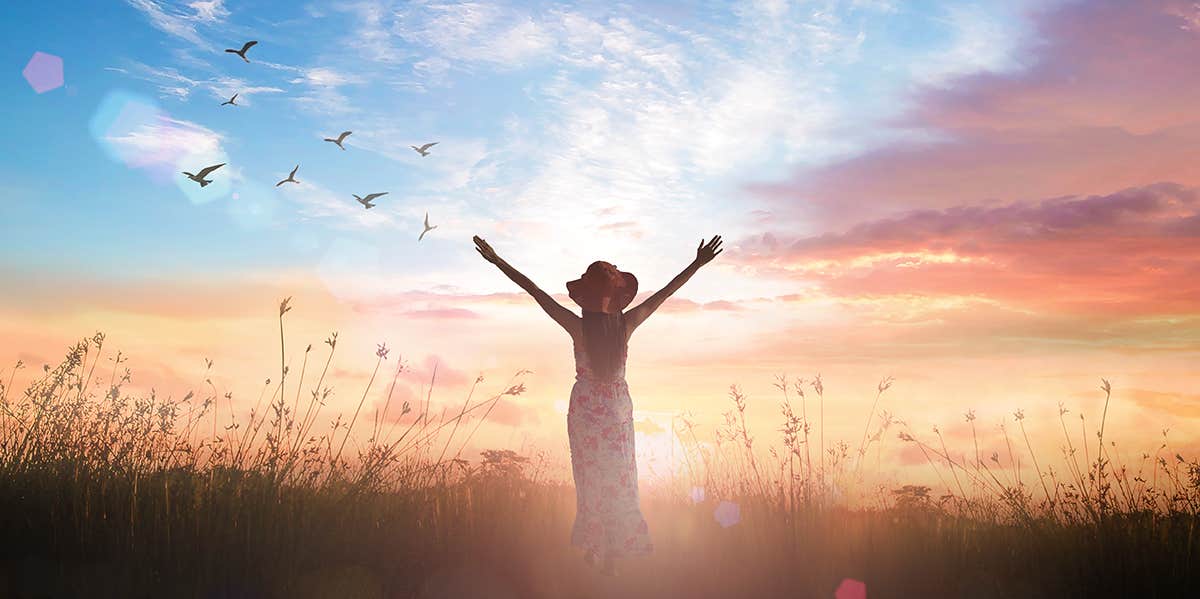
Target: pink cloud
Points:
(399, 394)
(627, 227)
(441, 314)
(1130, 252)
(421, 372)
(1108, 103)
(510, 413)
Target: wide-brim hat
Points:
(603, 288)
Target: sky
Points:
(996, 204)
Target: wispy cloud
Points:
(223, 87)
(210, 11)
(338, 211)
(172, 83)
(461, 34)
(172, 20)
(161, 142)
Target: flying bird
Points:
(290, 178)
(242, 52)
(230, 101)
(366, 202)
(427, 227)
(200, 176)
(339, 139)
(424, 150)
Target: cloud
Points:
(171, 21)
(1103, 100)
(210, 11)
(400, 394)
(1183, 405)
(324, 77)
(170, 82)
(421, 372)
(463, 33)
(223, 87)
(510, 412)
(160, 143)
(339, 211)
(1130, 252)
(441, 314)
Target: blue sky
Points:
(632, 124)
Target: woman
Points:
(608, 521)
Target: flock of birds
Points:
(200, 176)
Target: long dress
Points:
(600, 427)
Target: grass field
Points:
(107, 495)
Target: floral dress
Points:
(600, 427)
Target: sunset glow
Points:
(997, 204)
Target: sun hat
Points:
(603, 288)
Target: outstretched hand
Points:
(485, 250)
(705, 252)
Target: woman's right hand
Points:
(486, 250)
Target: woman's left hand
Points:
(705, 252)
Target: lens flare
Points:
(44, 72)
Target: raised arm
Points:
(564, 317)
(705, 252)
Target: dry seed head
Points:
(885, 384)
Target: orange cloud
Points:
(1183, 405)
(1130, 252)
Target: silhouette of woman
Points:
(608, 521)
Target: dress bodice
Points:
(583, 367)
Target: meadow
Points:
(104, 494)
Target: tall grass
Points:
(107, 494)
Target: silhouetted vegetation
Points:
(107, 495)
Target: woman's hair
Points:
(604, 341)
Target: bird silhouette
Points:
(339, 139)
(230, 101)
(427, 227)
(424, 150)
(366, 202)
(291, 177)
(200, 176)
(242, 52)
